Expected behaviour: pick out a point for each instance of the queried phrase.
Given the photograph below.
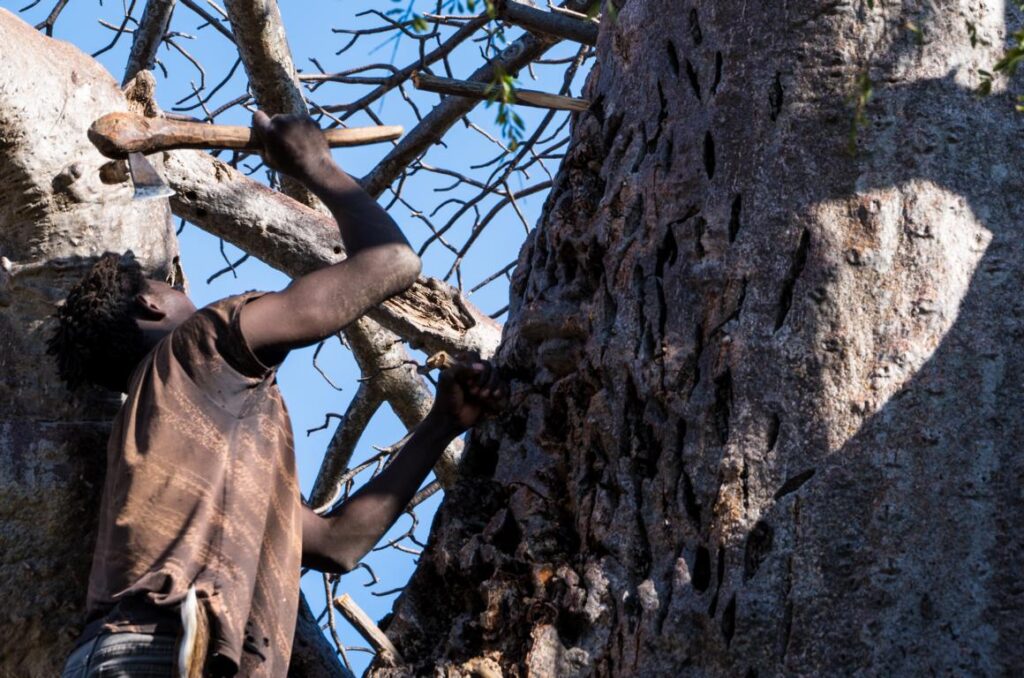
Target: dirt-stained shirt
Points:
(201, 489)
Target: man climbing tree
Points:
(202, 529)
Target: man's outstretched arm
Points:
(338, 541)
(379, 261)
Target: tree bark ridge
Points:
(763, 408)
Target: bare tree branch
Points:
(481, 92)
(148, 36)
(514, 57)
(50, 21)
(464, 33)
(370, 631)
(120, 30)
(327, 487)
(210, 19)
(550, 23)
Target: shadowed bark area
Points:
(765, 392)
(55, 214)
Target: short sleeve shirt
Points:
(201, 489)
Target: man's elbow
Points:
(330, 563)
(404, 267)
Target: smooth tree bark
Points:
(766, 392)
(56, 215)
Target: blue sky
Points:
(307, 393)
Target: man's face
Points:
(172, 303)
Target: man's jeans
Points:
(129, 655)
(123, 655)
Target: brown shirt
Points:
(201, 489)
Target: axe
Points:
(120, 135)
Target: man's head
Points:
(110, 320)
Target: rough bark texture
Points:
(766, 394)
(55, 213)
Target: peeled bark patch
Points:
(765, 404)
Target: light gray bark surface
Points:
(55, 213)
(766, 394)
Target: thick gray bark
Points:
(55, 213)
(766, 394)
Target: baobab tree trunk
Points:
(55, 214)
(766, 392)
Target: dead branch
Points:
(210, 19)
(328, 486)
(511, 59)
(120, 31)
(331, 625)
(549, 23)
(482, 92)
(148, 36)
(50, 21)
(464, 33)
(367, 629)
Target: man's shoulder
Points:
(229, 305)
(214, 332)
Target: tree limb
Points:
(147, 37)
(551, 23)
(367, 629)
(481, 92)
(515, 56)
(326, 488)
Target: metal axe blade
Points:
(148, 184)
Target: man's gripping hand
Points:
(466, 391)
(292, 144)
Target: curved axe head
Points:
(148, 184)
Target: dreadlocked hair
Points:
(96, 340)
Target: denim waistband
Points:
(153, 650)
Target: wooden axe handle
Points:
(118, 134)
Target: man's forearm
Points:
(337, 542)
(362, 221)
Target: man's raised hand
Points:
(292, 144)
(466, 391)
